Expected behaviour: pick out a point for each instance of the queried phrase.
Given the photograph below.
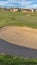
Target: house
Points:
(32, 10)
(14, 9)
(25, 10)
(36, 10)
(11, 9)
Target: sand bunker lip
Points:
(22, 36)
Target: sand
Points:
(22, 36)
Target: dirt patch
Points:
(22, 36)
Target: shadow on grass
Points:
(15, 50)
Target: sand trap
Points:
(23, 36)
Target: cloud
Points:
(19, 3)
(31, 6)
(3, 3)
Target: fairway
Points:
(8, 18)
(18, 28)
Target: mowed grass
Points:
(8, 18)
(12, 60)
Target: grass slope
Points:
(18, 19)
(10, 60)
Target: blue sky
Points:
(19, 3)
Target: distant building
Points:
(15, 9)
(19, 10)
(11, 9)
(32, 10)
(26, 10)
(36, 10)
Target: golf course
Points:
(19, 29)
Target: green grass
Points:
(8, 18)
(12, 60)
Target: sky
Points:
(19, 3)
